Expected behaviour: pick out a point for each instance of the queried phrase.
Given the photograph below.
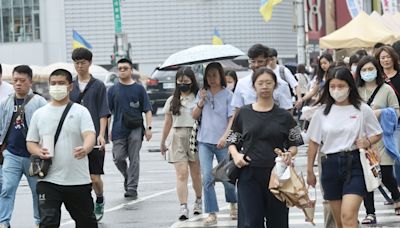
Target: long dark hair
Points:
(369, 59)
(194, 88)
(218, 66)
(320, 71)
(344, 74)
(233, 75)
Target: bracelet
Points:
(199, 106)
(370, 144)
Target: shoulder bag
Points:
(128, 120)
(38, 166)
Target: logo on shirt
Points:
(19, 120)
(353, 117)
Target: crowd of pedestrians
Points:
(355, 104)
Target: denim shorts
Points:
(342, 174)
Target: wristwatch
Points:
(149, 127)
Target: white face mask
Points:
(230, 86)
(339, 95)
(58, 92)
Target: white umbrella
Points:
(201, 54)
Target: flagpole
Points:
(301, 34)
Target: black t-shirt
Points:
(394, 82)
(260, 133)
(16, 143)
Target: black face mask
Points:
(184, 87)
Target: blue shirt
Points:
(16, 143)
(131, 99)
(214, 116)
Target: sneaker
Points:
(369, 219)
(4, 226)
(183, 212)
(210, 220)
(198, 207)
(99, 210)
(131, 194)
(233, 211)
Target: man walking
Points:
(127, 101)
(91, 93)
(16, 113)
(68, 179)
(245, 94)
(5, 90)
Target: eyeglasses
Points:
(123, 68)
(258, 62)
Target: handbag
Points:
(193, 136)
(371, 169)
(226, 170)
(38, 166)
(370, 160)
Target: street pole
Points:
(301, 35)
(121, 46)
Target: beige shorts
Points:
(179, 150)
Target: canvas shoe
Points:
(210, 220)
(233, 211)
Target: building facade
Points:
(40, 31)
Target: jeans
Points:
(206, 156)
(13, 168)
(397, 163)
(1, 177)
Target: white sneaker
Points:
(183, 212)
(198, 207)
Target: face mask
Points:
(58, 92)
(230, 86)
(184, 87)
(368, 76)
(339, 95)
(353, 69)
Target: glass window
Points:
(19, 21)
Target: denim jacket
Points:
(7, 110)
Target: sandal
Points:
(369, 219)
(397, 208)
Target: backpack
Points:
(283, 76)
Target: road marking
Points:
(120, 206)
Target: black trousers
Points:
(258, 207)
(77, 200)
(390, 183)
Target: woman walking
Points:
(340, 127)
(369, 79)
(178, 117)
(213, 106)
(260, 128)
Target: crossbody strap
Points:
(19, 112)
(82, 94)
(371, 98)
(60, 124)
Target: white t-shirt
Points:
(185, 118)
(82, 86)
(65, 169)
(5, 90)
(245, 94)
(339, 130)
(288, 77)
